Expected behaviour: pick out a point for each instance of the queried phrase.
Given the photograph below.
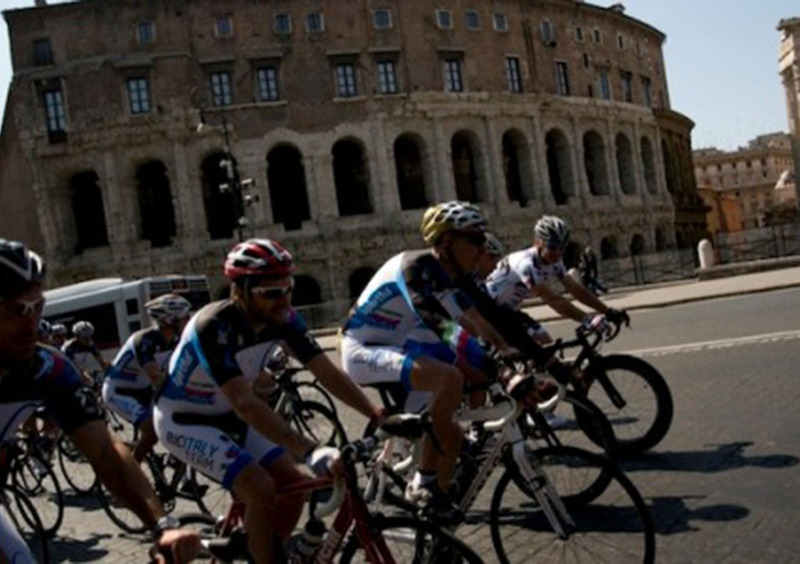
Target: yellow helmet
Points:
(450, 216)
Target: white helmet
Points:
(450, 216)
(553, 230)
(45, 329)
(60, 330)
(168, 308)
(83, 329)
(493, 245)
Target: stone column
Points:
(443, 170)
(383, 183)
(612, 165)
(543, 193)
(121, 220)
(496, 192)
(321, 187)
(188, 194)
(578, 166)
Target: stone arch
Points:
(413, 172)
(608, 248)
(288, 194)
(155, 204)
(465, 151)
(637, 246)
(306, 291)
(358, 280)
(517, 168)
(625, 167)
(572, 254)
(218, 201)
(661, 239)
(559, 166)
(594, 160)
(351, 177)
(649, 165)
(88, 211)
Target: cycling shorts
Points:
(134, 405)
(220, 450)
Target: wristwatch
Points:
(165, 523)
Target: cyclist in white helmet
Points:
(58, 336)
(139, 369)
(528, 272)
(81, 350)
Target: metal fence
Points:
(756, 244)
(648, 269)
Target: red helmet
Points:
(258, 257)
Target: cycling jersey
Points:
(49, 379)
(84, 356)
(410, 308)
(516, 275)
(127, 388)
(193, 418)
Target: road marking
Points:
(719, 344)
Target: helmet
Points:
(450, 216)
(60, 329)
(493, 245)
(45, 329)
(83, 329)
(19, 268)
(168, 308)
(553, 230)
(258, 257)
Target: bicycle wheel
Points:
(120, 515)
(36, 479)
(634, 397)
(17, 509)
(74, 467)
(313, 392)
(577, 422)
(597, 524)
(412, 540)
(316, 422)
(125, 431)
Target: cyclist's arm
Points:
(476, 324)
(260, 416)
(558, 302)
(154, 373)
(340, 385)
(583, 295)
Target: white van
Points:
(116, 307)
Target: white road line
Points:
(719, 344)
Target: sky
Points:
(721, 59)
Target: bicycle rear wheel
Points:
(316, 422)
(74, 467)
(411, 540)
(599, 524)
(36, 479)
(119, 514)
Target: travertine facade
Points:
(789, 65)
(350, 117)
(758, 175)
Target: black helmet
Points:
(19, 268)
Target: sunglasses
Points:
(20, 308)
(475, 238)
(272, 292)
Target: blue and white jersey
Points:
(143, 347)
(217, 345)
(517, 274)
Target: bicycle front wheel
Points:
(559, 518)
(411, 540)
(316, 422)
(36, 479)
(74, 467)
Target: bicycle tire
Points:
(647, 415)
(35, 478)
(589, 428)
(427, 537)
(76, 470)
(316, 422)
(600, 517)
(27, 523)
(120, 515)
(314, 392)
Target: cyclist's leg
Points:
(147, 439)
(134, 412)
(12, 546)
(254, 486)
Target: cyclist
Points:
(529, 272)
(81, 349)
(140, 367)
(208, 414)
(408, 327)
(45, 332)
(33, 375)
(59, 335)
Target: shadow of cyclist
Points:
(726, 456)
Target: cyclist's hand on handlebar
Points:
(176, 545)
(618, 316)
(323, 460)
(596, 323)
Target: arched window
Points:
(661, 240)
(637, 245)
(465, 151)
(351, 178)
(88, 211)
(218, 198)
(594, 159)
(288, 194)
(627, 174)
(669, 168)
(411, 172)
(559, 168)
(359, 280)
(306, 291)
(608, 248)
(155, 204)
(648, 163)
(517, 167)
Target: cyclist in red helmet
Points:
(208, 414)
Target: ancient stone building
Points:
(789, 65)
(130, 125)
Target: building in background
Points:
(724, 213)
(130, 129)
(789, 65)
(757, 175)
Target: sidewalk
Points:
(662, 295)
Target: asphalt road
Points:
(724, 484)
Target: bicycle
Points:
(549, 496)
(17, 509)
(631, 392)
(354, 533)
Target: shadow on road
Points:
(672, 515)
(64, 549)
(724, 457)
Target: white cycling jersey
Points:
(516, 275)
